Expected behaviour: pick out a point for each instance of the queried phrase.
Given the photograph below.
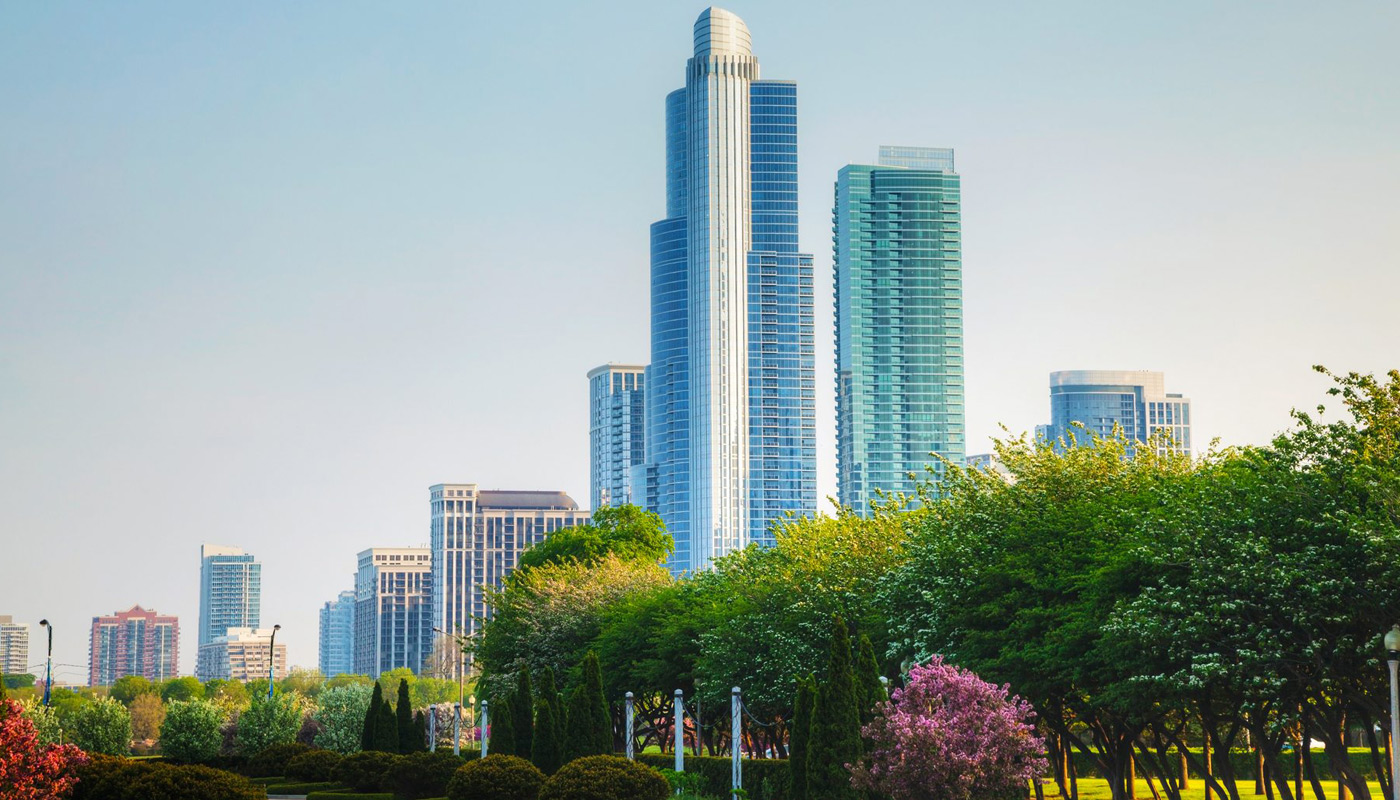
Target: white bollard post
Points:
(736, 740)
(457, 730)
(485, 722)
(630, 755)
(680, 731)
(432, 729)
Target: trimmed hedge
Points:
(496, 777)
(421, 775)
(364, 771)
(350, 795)
(272, 761)
(120, 779)
(313, 766)
(714, 772)
(605, 778)
(302, 788)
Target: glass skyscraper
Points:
(731, 389)
(1135, 400)
(230, 591)
(897, 252)
(393, 609)
(337, 650)
(616, 432)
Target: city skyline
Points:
(214, 300)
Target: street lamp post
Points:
(272, 660)
(1392, 657)
(48, 668)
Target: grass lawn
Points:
(1097, 789)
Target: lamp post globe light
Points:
(1392, 657)
(48, 667)
(272, 660)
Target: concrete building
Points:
(731, 388)
(616, 431)
(337, 650)
(897, 253)
(476, 538)
(14, 646)
(393, 609)
(133, 642)
(241, 654)
(1135, 400)
(230, 591)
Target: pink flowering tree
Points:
(30, 770)
(949, 735)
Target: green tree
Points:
(102, 726)
(521, 706)
(549, 692)
(347, 679)
(230, 695)
(191, 731)
(546, 753)
(407, 732)
(589, 728)
(625, 531)
(305, 682)
(45, 721)
(342, 712)
(386, 729)
(801, 734)
(835, 738)
(269, 721)
(128, 687)
(369, 731)
(186, 688)
(869, 690)
(147, 713)
(505, 739)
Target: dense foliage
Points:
(29, 769)
(623, 531)
(190, 731)
(122, 779)
(102, 726)
(422, 774)
(605, 778)
(364, 771)
(341, 712)
(269, 721)
(496, 777)
(311, 766)
(272, 760)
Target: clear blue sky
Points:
(268, 271)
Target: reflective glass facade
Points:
(897, 253)
(230, 591)
(393, 610)
(1135, 400)
(337, 651)
(731, 386)
(616, 432)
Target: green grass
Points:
(1097, 789)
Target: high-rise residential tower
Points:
(133, 642)
(242, 654)
(230, 591)
(393, 609)
(14, 646)
(1135, 400)
(897, 252)
(476, 538)
(616, 431)
(731, 389)
(337, 650)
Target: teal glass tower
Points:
(897, 251)
(731, 388)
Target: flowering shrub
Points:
(190, 732)
(30, 770)
(949, 735)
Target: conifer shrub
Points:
(605, 778)
(496, 777)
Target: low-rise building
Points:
(242, 654)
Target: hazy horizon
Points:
(269, 272)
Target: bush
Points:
(120, 779)
(302, 788)
(340, 711)
(269, 721)
(311, 766)
(344, 795)
(190, 732)
(418, 775)
(272, 761)
(714, 774)
(496, 777)
(605, 778)
(102, 726)
(363, 772)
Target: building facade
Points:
(616, 431)
(476, 538)
(230, 591)
(14, 646)
(133, 642)
(242, 654)
(393, 609)
(1134, 400)
(337, 650)
(897, 253)
(731, 388)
